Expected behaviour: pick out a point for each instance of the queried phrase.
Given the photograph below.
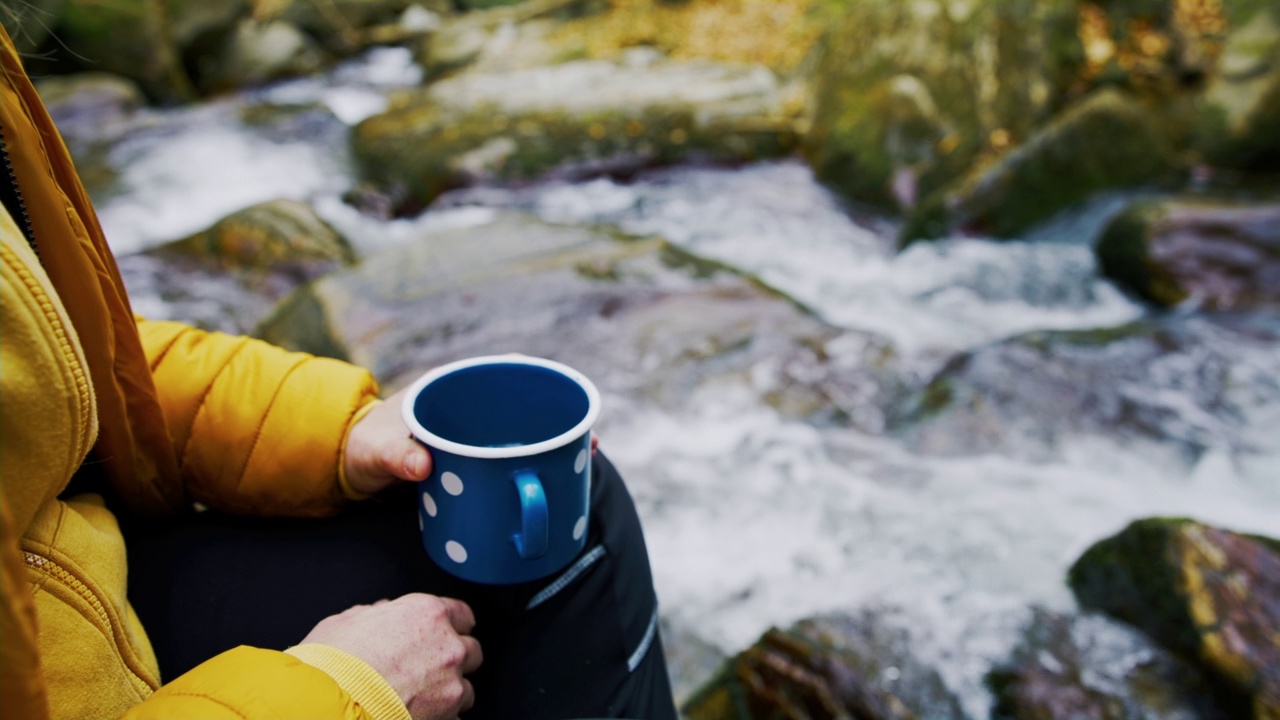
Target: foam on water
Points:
(754, 520)
(193, 166)
(775, 221)
(369, 235)
(202, 169)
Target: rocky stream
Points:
(935, 402)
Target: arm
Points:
(393, 660)
(251, 683)
(256, 429)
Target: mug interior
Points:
(501, 405)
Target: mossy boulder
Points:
(344, 27)
(1109, 141)
(835, 666)
(578, 118)
(1217, 254)
(1208, 594)
(258, 52)
(501, 38)
(875, 152)
(485, 4)
(275, 236)
(1088, 666)
(914, 93)
(780, 34)
(997, 74)
(1238, 123)
(231, 275)
(90, 106)
(177, 50)
(133, 38)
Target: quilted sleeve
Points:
(257, 429)
(250, 684)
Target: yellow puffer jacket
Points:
(156, 415)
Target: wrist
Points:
(365, 685)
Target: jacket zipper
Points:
(14, 193)
(48, 567)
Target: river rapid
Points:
(754, 519)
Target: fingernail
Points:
(417, 465)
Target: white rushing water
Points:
(754, 520)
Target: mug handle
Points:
(531, 541)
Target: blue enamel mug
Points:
(510, 439)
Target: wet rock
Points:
(229, 276)
(344, 27)
(498, 38)
(575, 118)
(780, 35)
(279, 236)
(1023, 116)
(909, 95)
(1208, 594)
(90, 107)
(631, 313)
(827, 667)
(132, 38)
(1109, 141)
(504, 48)
(178, 50)
(258, 52)
(1184, 383)
(690, 659)
(881, 145)
(1216, 255)
(483, 4)
(192, 25)
(1090, 667)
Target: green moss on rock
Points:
(130, 38)
(1220, 252)
(922, 90)
(1124, 253)
(278, 234)
(826, 667)
(1209, 595)
(1107, 142)
(1132, 576)
(301, 323)
(425, 146)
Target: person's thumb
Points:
(407, 460)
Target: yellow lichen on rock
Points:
(774, 33)
(1201, 558)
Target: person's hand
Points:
(380, 450)
(421, 645)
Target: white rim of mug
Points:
(479, 451)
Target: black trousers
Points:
(583, 643)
